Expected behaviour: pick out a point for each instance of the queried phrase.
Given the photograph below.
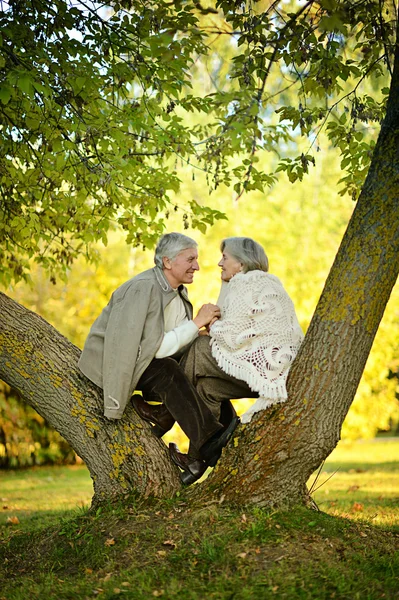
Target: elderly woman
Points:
(251, 347)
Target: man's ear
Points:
(167, 263)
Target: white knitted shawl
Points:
(257, 337)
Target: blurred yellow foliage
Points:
(299, 225)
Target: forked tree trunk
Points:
(268, 461)
(41, 365)
(271, 459)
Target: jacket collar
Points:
(163, 282)
(165, 285)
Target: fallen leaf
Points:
(257, 550)
(109, 542)
(357, 506)
(362, 534)
(353, 488)
(169, 543)
(244, 518)
(161, 552)
(12, 521)
(117, 591)
(242, 555)
(107, 577)
(125, 584)
(157, 593)
(88, 571)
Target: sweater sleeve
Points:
(177, 338)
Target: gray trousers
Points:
(214, 387)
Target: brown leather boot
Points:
(192, 469)
(157, 415)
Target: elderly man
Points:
(136, 343)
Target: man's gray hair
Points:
(170, 245)
(248, 252)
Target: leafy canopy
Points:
(99, 105)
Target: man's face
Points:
(182, 268)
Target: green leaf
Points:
(24, 83)
(5, 94)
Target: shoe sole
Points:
(187, 478)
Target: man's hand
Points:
(203, 332)
(207, 313)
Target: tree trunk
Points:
(271, 459)
(41, 364)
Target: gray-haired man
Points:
(137, 340)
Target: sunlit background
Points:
(300, 226)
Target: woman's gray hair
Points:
(170, 245)
(248, 252)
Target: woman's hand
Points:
(208, 313)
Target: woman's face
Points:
(230, 266)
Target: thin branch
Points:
(329, 111)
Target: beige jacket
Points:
(126, 336)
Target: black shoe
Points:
(212, 449)
(192, 469)
(158, 416)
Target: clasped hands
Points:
(206, 316)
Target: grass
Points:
(43, 494)
(140, 550)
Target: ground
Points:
(171, 549)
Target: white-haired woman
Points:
(252, 346)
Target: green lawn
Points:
(359, 480)
(43, 493)
(144, 549)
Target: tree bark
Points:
(121, 455)
(271, 459)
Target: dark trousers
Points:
(164, 381)
(196, 392)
